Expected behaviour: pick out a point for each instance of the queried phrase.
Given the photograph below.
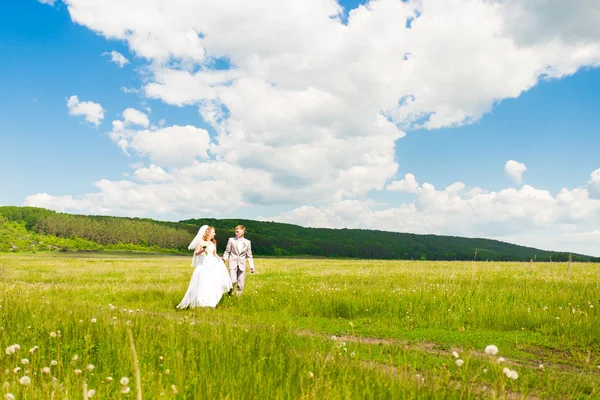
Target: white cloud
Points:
(135, 117)
(93, 112)
(515, 170)
(594, 184)
(170, 146)
(117, 58)
(409, 185)
(152, 174)
(318, 103)
(49, 2)
(527, 216)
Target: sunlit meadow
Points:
(71, 326)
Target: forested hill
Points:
(38, 229)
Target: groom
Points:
(237, 252)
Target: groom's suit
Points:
(237, 252)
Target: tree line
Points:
(84, 232)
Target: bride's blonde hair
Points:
(205, 236)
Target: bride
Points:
(210, 278)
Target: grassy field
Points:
(311, 329)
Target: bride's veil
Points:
(195, 242)
(198, 237)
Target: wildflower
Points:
(10, 396)
(52, 334)
(506, 371)
(311, 375)
(74, 358)
(491, 350)
(109, 379)
(16, 370)
(17, 347)
(77, 372)
(125, 389)
(501, 359)
(124, 381)
(454, 354)
(53, 363)
(93, 320)
(352, 354)
(46, 370)
(513, 375)
(90, 367)
(459, 362)
(33, 349)
(25, 380)
(91, 393)
(24, 361)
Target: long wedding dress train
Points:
(209, 282)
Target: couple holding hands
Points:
(210, 279)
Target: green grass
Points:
(396, 324)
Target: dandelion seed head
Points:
(46, 370)
(454, 354)
(90, 367)
(541, 366)
(506, 371)
(53, 362)
(52, 334)
(491, 350)
(174, 389)
(10, 396)
(77, 372)
(25, 380)
(24, 361)
(311, 375)
(16, 370)
(93, 320)
(167, 371)
(124, 381)
(109, 379)
(513, 375)
(125, 389)
(501, 359)
(459, 362)
(91, 393)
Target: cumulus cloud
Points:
(515, 170)
(324, 102)
(594, 184)
(152, 174)
(409, 185)
(117, 58)
(135, 117)
(169, 146)
(527, 216)
(93, 112)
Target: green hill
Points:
(38, 229)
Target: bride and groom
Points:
(210, 279)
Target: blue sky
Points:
(302, 142)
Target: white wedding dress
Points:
(209, 282)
